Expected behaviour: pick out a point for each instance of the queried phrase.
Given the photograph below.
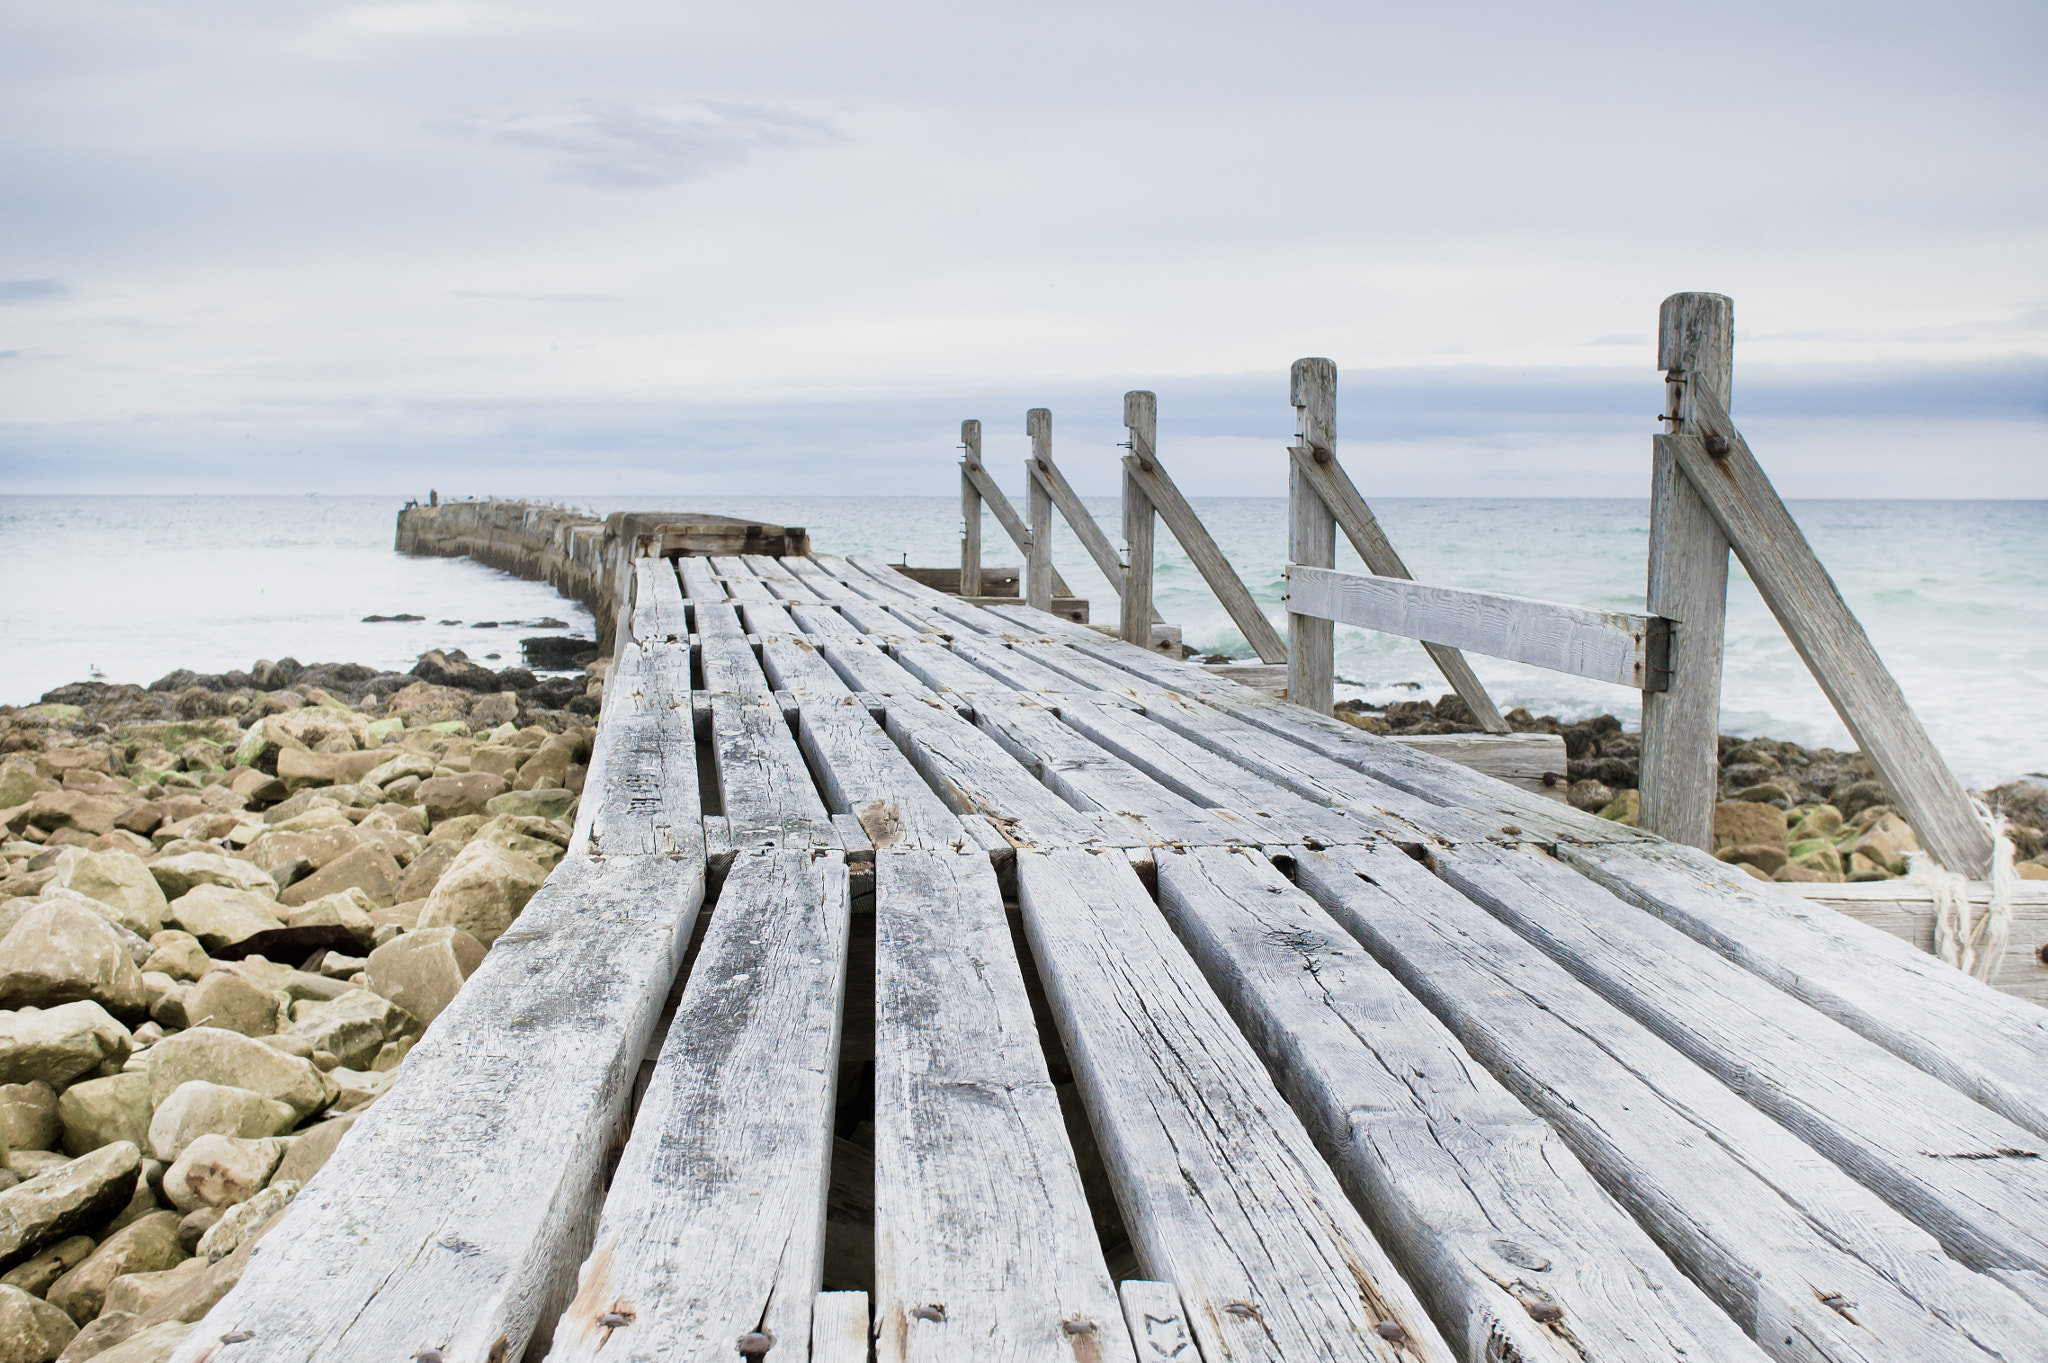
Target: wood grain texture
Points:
(1201, 550)
(714, 1226)
(1829, 639)
(1534, 762)
(1362, 528)
(769, 798)
(1134, 610)
(1983, 1043)
(657, 602)
(1311, 534)
(1006, 514)
(1038, 503)
(640, 794)
(1764, 1226)
(970, 509)
(700, 580)
(1157, 1322)
(1045, 471)
(739, 579)
(839, 1328)
(1480, 1202)
(1608, 646)
(517, 1089)
(974, 774)
(778, 579)
(984, 1245)
(1221, 1188)
(828, 587)
(1895, 908)
(1972, 1179)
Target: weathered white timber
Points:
(1688, 583)
(974, 774)
(657, 602)
(1068, 504)
(714, 1225)
(1772, 1232)
(828, 587)
(1974, 1180)
(740, 582)
(769, 798)
(1311, 534)
(1221, 1188)
(1157, 1321)
(1134, 610)
(1038, 501)
(822, 621)
(1829, 639)
(640, 793)
(1195, 540)
(1609, 646)
(778, 579)
(839, 1328)
(970, 510)
(762, 620)
(1006, 514)
(867, 669)
(516, 1092)
(984, 1246)
(700, 580)
(927, 610)
(1534, 762)
(1906, 911)
(1984, 1043)
(1478, 1200)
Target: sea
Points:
(1954, 594)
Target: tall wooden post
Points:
(1038, 560)
(970, 509)
(1311, 533)
(1681, 764)
(1134, 624)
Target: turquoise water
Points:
(1951, 593)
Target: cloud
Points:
(515, 297)
(32, 291)
(407, 19)
(619, 145)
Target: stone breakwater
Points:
(1786, 813)
(229, 905)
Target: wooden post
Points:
(970, 509)
(1038, 501)
(1681, 764)
(1134, 625)
(1311, 533)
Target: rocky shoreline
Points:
(229, 904)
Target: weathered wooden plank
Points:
(1068, 504)
(657, 602)
(970, 510)
(868, 670)
(1986, 1044)
(769, 798)
(1221, 1188)
(1134, 610)
(927, 610)
(700, 582)
(640, 794)
(1038, 503)
(1201, 549)
(739, 579)
(1906, 911)
(839, 1328)
(1971, 1178)
(823, 621)
(1829, 639)
(1534, 762)
(1809, 1262)
(1609, 646)
(985, 1247)
(828, 587)
(714, 1226)
(974, 774)
(1157, 1321)
(762, 619)
(778, 579)
(1486, 1211)
(1688, 584)
(517, 1090)
(1311, 535)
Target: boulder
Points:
(482, 892)
(178, 954)
(1821, 857)
(219, 1171)
(458, 830)
(426, 870)
(423, 703)
(1747, 823)
(360, 1088)
(353, 1027)
(145, 1246)
(28, 1164)
(348, 910)
(93, 815)
(65, 1201)
(18, 782)
(56, 1045)
(1626, 809)
(102, 1112)
(1794, 874)
(35, 1274)
(180, 875)
(198, 1108)
(322, 729)
(219, 917)
(57, 953)
(229, 1058)
(423, 970)
(311, 1148)
(515, 832)
(123, 882)
(369, 869)
(1763, 856)
(399, 767)
(227, 1000)
(1887, 841)
(135, 1294)
(225, 1236)
(452, 797)
(305, 770)
(151, 1344)
(32, 1330)
(28, 1116)
(277, 847)
(498, 761)
(540, 804)
(548, 768)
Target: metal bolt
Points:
(756, 1344)
(612, 1320)
(1391, 1331)
(238, 1337)
(1717, 445)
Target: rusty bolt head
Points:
(1544, 1312)
(935, 1311)
(427, 1356)
(756, 1344)
(1392, 1331)
(612, 1320)
(1717, 445)
(238, 1337)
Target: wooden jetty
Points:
(938, 979)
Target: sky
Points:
(616, 247)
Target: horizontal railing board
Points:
(1609, 646)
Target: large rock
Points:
(149, 1245)
(236, 1224)
(424, 703)
(230, 1001)
(483, 892)
(222, 1057)
(426, 870)
(57, 953)
(220, 917)
(18, 782)
(198, 1108)
(548, 768)
(353, 1027)
(219, 1171)
(1750, 823)
(178, 954)
(398, 768)
(452, 797)
(182, 874)
(101, 1112)
(348, 910)
(34, 1274)
(51, 810)
(513, 832)
(422, 971)
(305, 770)
(539, 804)
(369, 869)
(28, 1116)
(56, 1045)
(311, 1149)
(31, 1331)
(136, 1293)
(123, 882)
(323, 729)
(152, 1344)
(278, 847)
(1886, 842)
(65, 1201)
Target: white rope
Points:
(1977, 947)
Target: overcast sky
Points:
(620, 247)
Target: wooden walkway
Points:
(1153, 1019)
